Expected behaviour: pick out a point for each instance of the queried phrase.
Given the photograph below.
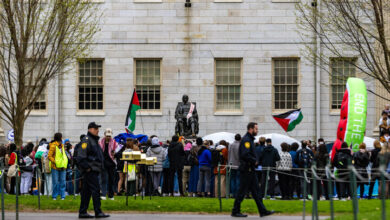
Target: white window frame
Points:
(228, 111)
(278, 110)
(89, 111)
(157, 112)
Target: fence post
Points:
(17, 193)
(315, 193)
(330, 191)
(353, 191)
(383, 190)
(266, 184)
(228, 170)
(219, 187)
(304, 194)
(2, 190)
(74, 183)
(39, 188)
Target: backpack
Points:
(216, 158)
(192, 160)
(47, 165)
(166, 163)
(342, 161)
(304, 158)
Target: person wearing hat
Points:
(90, 161)
(108, 146)
(155, 171)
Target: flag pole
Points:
(142, 124)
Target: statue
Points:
(187, 118)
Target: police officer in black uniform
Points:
(90, 162)
(248, 177)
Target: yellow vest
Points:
(61, 158)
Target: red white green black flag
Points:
(131, 115)
(289, 120)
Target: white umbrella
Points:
(277, 139)
(219, 136)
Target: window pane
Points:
(91, 85)
(228, 84)
(148, 83)
(342, 69)
(285, 84)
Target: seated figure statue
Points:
(187, 118)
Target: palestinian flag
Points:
(289, 120)
(133, 107)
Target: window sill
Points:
(38, 113)
(334, 112)
(228, 1)
(285, 1)
(150, 113)
(226, 113)
(280, 111)
(147, 1)
(90, 113)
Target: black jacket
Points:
(176, 155)
(269, 156)
(89, 154)
(247, 153)
(375, 157)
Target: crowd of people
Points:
(190, 169)
(194, 167)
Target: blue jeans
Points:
(59, 183)
(194, 178)
(69, 183)
(234, 182)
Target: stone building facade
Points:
(239, 60)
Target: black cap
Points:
(93, 125)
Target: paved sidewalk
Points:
(68, 216)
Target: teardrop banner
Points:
(353, 115)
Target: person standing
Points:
(321, 158)
(267, 160)
(374, 159)
(204, 159)
(285, 167)
(90, 161)
(304, 160)
(341, 161)
(108, 146)
(295, 179)
(176, 156)
(361, 160)
(248, 178)
(234, 162)
(156, 151)
(59, 163)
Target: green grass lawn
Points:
(368, 209)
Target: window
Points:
(91, 85)
(228, 84)
(285, 83)
(341, 69)
(148, 83)
(40, 103)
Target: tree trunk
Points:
(18, 130)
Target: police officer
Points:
(90, 162)
(248, 178)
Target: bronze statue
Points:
(187, 118)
